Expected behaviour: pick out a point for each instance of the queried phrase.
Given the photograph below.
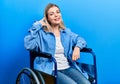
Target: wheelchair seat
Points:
(44, 78)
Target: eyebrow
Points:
(55, 11)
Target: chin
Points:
(57, 22)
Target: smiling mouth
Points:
(57, 19)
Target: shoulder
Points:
(35, 26)
(37, 23)
(67, 30)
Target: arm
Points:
(31, 40)
(76, 53)
(78, 43)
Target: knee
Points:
(87, 82)
(74, 82)
(71, 82)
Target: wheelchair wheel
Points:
(28, 76)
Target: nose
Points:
(56, 14)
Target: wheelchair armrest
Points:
(34, 54)
(86, 50)
(89, 50)
(41, 54)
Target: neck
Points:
(55, 30)
(55, 27)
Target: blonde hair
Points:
(49, 28)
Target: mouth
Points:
(56, 19)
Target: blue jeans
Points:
(71, 76)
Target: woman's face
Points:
(54, 16)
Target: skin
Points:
(54, 18)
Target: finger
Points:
(43, 18)
(75, 57)
(43, 22)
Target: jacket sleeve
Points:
(32, 39)
(77, 40)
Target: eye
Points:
(58, 11)
(51, 14)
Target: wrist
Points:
(76, 47)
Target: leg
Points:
(64, 79)
(75, 75)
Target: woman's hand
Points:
(43, 22)
(76, 54)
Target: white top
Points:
(62, 62)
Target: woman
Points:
(51, 36)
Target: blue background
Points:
(98, 21)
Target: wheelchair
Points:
(32, 76)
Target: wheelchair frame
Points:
(34, 54)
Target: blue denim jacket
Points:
(39, 39)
